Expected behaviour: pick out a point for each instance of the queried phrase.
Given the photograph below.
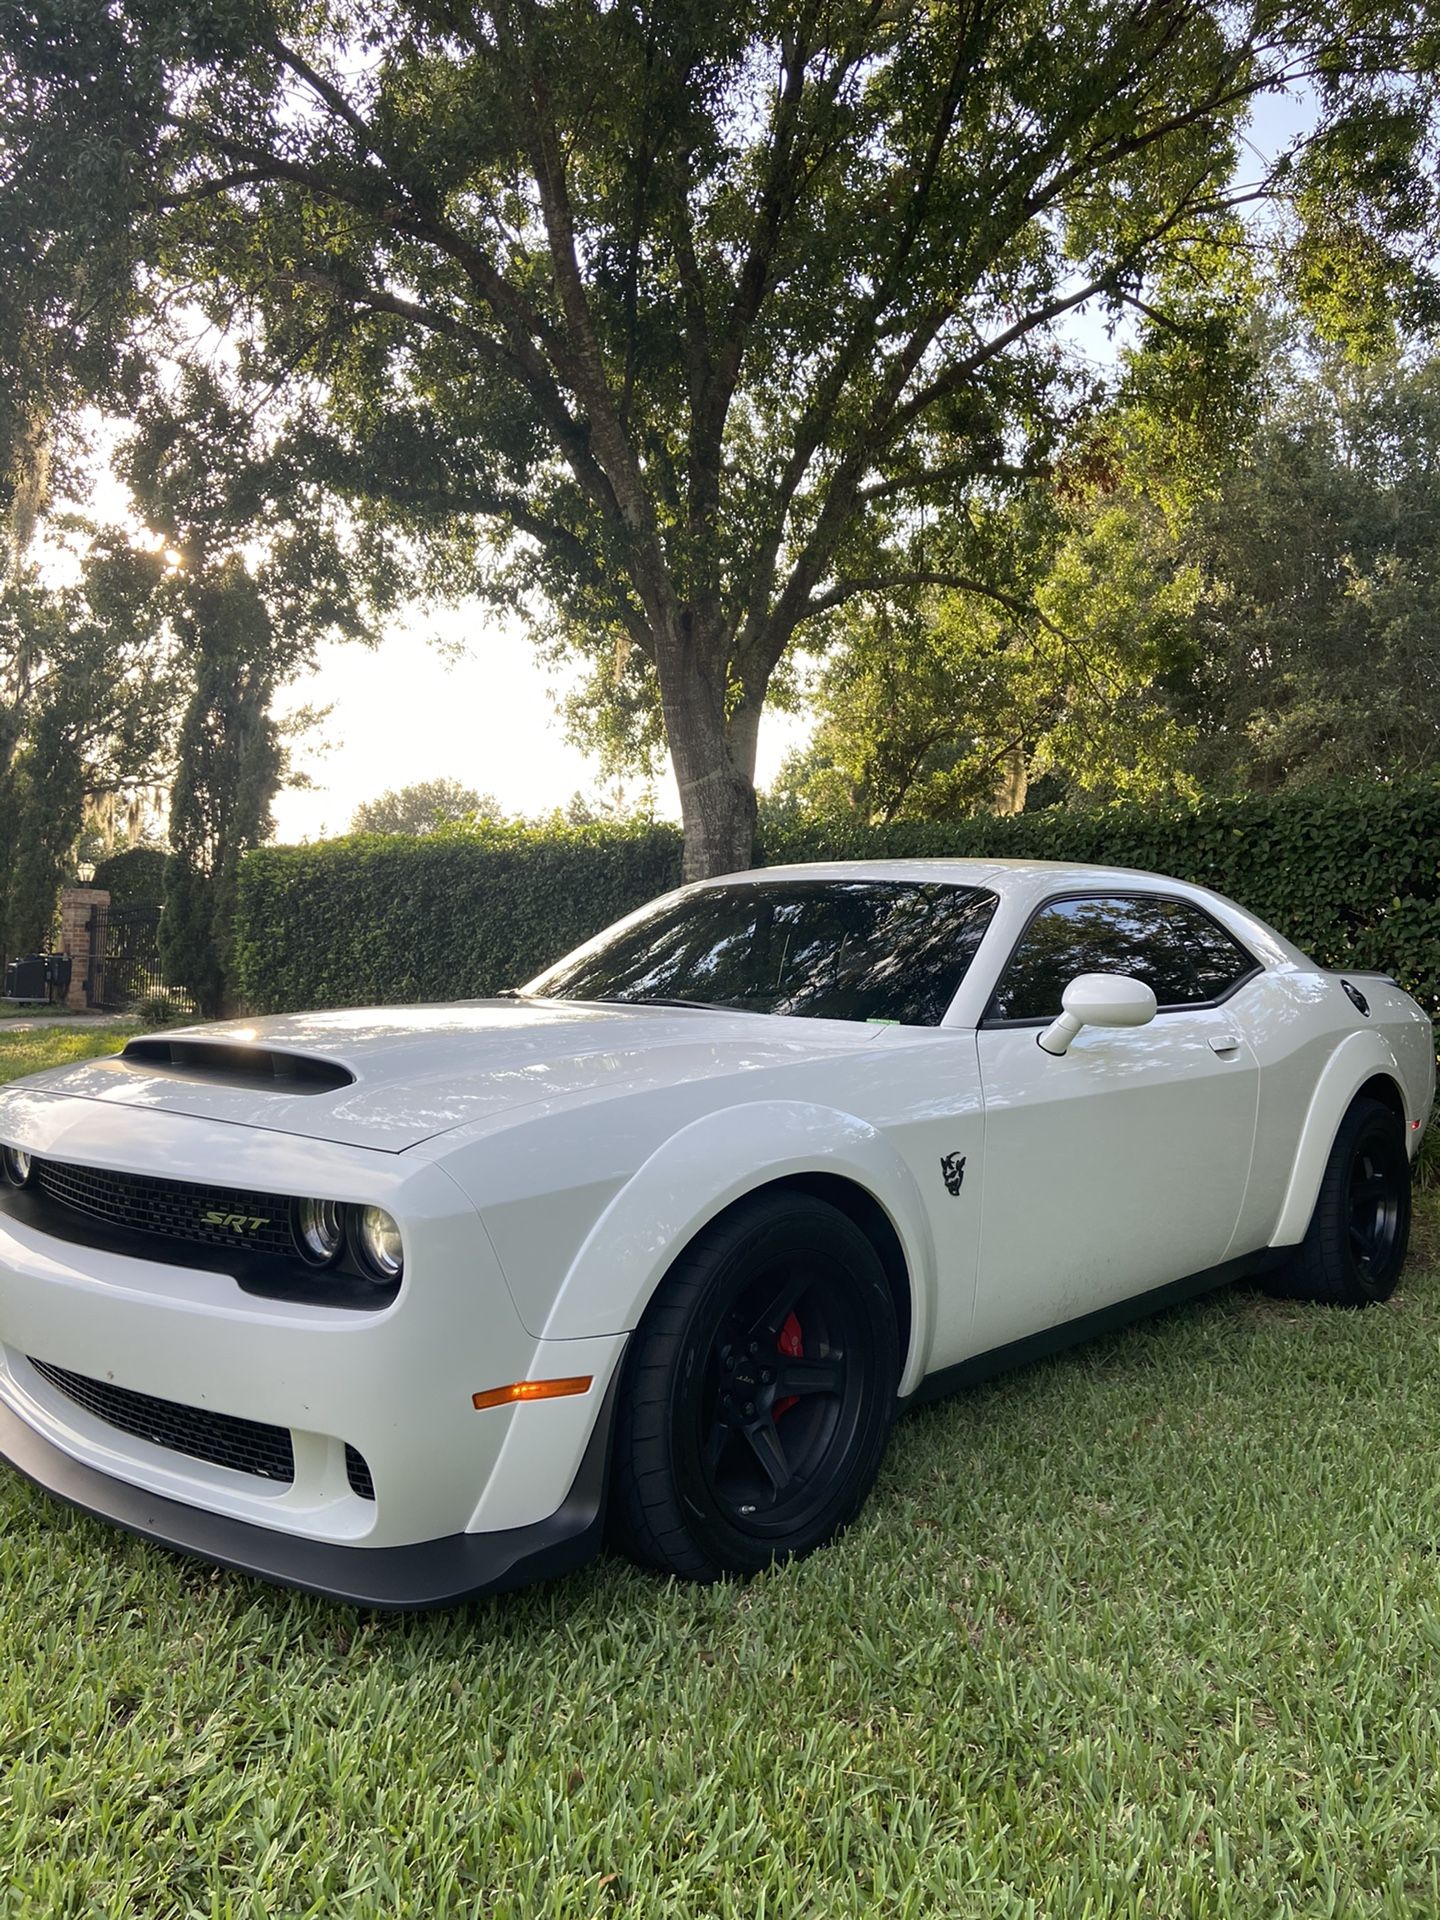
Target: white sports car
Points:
(406, 1305)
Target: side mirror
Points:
(1099, 1000)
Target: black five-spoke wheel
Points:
(782, 1391)
(1355, 1247)
(758, 1392)
(1376, 1211)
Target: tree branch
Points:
(613, 452)
(843, 590)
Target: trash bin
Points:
(25, 978)
(58, 969)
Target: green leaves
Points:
(455, 914)
(1231, 595)
(230, 763)
(86, 685)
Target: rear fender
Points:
(1358, 1058)
(708, 1166)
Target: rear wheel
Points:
(1355, 1246)
(758, 1393)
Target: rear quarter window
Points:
(1184, 956)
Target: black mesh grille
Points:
(246, 1446)
(357, 1472)
(177, 1209)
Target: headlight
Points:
(17, 1166)
(380, 1248)
(320, 1229)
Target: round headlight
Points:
(380, 1244)
(320, 1229)
(17, 1166)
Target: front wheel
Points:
(758, 1393)
(1355, 1246)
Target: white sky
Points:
(403, 713)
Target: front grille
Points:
(357, 1472)
(177, 1209)
(245, 1446)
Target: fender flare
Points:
(1358, 1058)
(706, 1167)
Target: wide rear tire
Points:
(1352, 1254)
(758, 1393)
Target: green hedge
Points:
(379, 919)
(1352, 876)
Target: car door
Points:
(1121, 1165)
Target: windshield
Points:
(830, 949)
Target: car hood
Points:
(391, 1077)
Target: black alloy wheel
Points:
(1355, 1246)
(758, 1394)
(1376, 1203)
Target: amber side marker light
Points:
(533, 1390)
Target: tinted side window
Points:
(1216, 960)
(1176, 949)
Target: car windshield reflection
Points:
(893, 950)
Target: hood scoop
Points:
(228, 1063)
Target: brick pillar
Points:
(75, 905)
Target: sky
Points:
(403, 713)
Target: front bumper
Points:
(460, 1501)
(431, 1573)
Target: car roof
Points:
(1024, 874)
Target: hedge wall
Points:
(1352, 876)
(379, 919)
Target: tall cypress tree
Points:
(230, 764)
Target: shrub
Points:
(455, 915)
(165, 1008)
(134, 878)
(1350, 875)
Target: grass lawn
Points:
(1152, 1628)
(22, 1053)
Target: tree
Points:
(1194, 622)
(956, 706)
(686, 319)
(423, 807)
(87, 691)
(230, 763)
(1315, 634)
(260, 577)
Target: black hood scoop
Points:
(232, 1063)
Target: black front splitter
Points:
(432, 1573)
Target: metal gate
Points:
(124, 957)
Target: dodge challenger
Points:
(410, 1304)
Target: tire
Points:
(1355, 1245)
(758, 1393)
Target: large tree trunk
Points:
(1012, 783)
(714, 765)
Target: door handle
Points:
(1224, 1042)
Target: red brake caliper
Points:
(792, 1344)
